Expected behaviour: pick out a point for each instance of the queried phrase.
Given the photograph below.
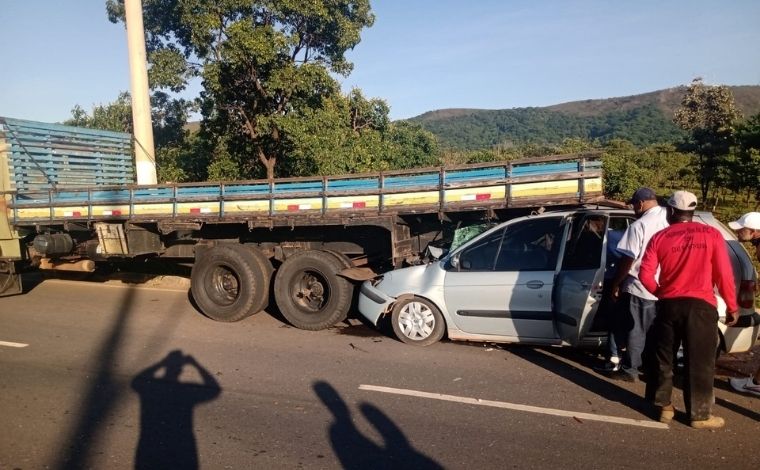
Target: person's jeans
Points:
(692, 322)
(642, 313)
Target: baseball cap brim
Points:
(735, 225)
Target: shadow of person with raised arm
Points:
(166, 412)
(355, 451)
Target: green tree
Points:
(622, 176)
(115, 116)
(350, 134)
(708, 113)
(259, 61)
(745, 164)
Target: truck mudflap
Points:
(10, 280)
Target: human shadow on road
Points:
(587, 380)
(355, 451)
(166, 412)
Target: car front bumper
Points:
(373, 302)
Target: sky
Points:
(422, 55)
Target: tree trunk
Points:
(268, 163)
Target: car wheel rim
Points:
(416, 321)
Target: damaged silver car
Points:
(537, 279)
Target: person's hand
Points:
(732, 318)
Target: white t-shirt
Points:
(634, 242)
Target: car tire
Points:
(229, 283)
(417, 321)
(309, 292)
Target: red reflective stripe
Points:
(360, 205)
(76, 214)
(195, 210)
(482, 197)
(115, 212)
(293, 207)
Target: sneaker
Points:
(667, 413)
(622, 376)
(713, 422)
(745, 385)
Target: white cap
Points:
(750, 220)
(683, 200)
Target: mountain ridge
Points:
(644, 119)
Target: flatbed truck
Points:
(68, 202)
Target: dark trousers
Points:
(641, 315)
(693, 323)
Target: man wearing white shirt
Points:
(626, 287)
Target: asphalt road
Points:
(101, 376)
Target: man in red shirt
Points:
(692, 258)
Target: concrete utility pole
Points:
(145, 154)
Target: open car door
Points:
(578, 287)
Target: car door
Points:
(578, 288)
(502, 282)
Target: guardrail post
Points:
(221, 199)
(381, 200)
(441, 189)
(324, 195)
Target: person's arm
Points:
(723, 277)
(649, 264)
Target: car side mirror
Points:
(455, 261)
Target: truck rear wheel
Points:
(230, 283)
(309, 292)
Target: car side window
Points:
(584, 245)
(531, 245)
(480, 256)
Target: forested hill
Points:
(643, 119)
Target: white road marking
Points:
(13, 345)
(517, 407)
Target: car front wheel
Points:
(417, 321)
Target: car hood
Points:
(410, 280)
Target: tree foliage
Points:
(480, 129)
(708, 114)
(260, 61)
(744, 163)
(115, 116)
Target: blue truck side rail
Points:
(557, 179)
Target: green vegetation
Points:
(484, 129)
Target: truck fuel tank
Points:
(53, 244)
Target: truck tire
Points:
(309, 292)
(417, 321)
(230, 283)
